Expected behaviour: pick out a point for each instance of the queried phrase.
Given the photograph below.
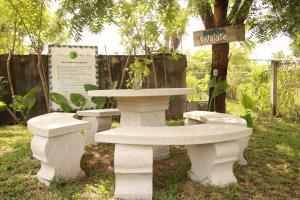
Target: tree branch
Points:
(204, 10)
(234, 9)
(242, 13)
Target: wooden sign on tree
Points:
(219, 35)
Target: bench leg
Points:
(212, 163)
(60, 156)
(133, 167)
(97, 124)
(243, 142)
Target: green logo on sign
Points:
(73, 54)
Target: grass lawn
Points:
(273, 171)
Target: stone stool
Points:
(206, 117)
(100, 120)
(58, 142)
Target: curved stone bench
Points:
(58, 142)
(205, 117)
(100, 119)
(212, 149)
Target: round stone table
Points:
(144, 107)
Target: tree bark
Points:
(219, 56)
(220, 62)
(9, 77)
(43, 80)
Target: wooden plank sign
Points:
(219, 35)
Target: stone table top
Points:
(141, 92)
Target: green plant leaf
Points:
(17, 98)
(88, 87)
(113, 85)
(99, 101)
(18, 106)
(3, 106)
(57, 98)
(249, 119)
(78, 100)
(66, 107)
(247, 102)
(29, 99)
(147, 61)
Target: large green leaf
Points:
(57, 98)
(18, 106)
(78, 100)
(3, 106)
(88, 87)
(99, 101)
(66, 107)
(219, 86)
(29, 99)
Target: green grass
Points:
(273, 170)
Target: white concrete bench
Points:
(205, 117)
(100, 119)
(58, 142)
(212, 149)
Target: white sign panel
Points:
(70, 67)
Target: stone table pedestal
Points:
(144, 107)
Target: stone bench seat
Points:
(172, 135)
(100, 120)
(212, 150)
(206, 117)
(58, 142)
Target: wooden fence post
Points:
(274, 68)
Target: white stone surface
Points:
(59, 144)
(145, 111)
(212, 149)
(100, 120)
(214, 117)
(205, 117)
(144, 107)
(99, 112)
(173, 135)
(133, 171)
(51, 127)
(142, 92)
(212, 163)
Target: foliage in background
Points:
(200, 85)
(218, 87)
(91, 15)
(246, 77)
(269, 18)
(137, 71)
(20, 104)
(248, 105)
(80, 102)
(24, 104)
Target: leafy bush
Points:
(200, 85)
(20, 104)
(79, 101)
(248, 105)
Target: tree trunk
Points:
(219, 62)
(128, 61)
(219, 55)
(9, 77)
(42, 77)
